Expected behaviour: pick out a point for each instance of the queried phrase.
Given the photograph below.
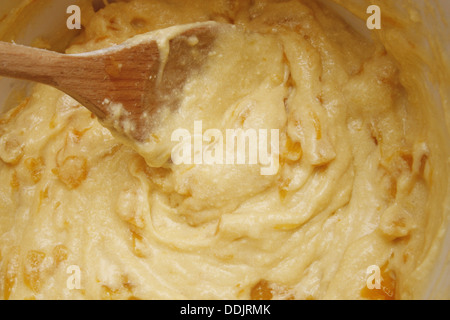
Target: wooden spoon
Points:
(124, 85)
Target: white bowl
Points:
(43, 17)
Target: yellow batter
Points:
(352, 189)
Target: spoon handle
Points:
(17, 61)
(80, 76)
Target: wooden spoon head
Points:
(127, 85)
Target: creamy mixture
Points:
(352, 188)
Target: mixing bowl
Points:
(43, 23)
